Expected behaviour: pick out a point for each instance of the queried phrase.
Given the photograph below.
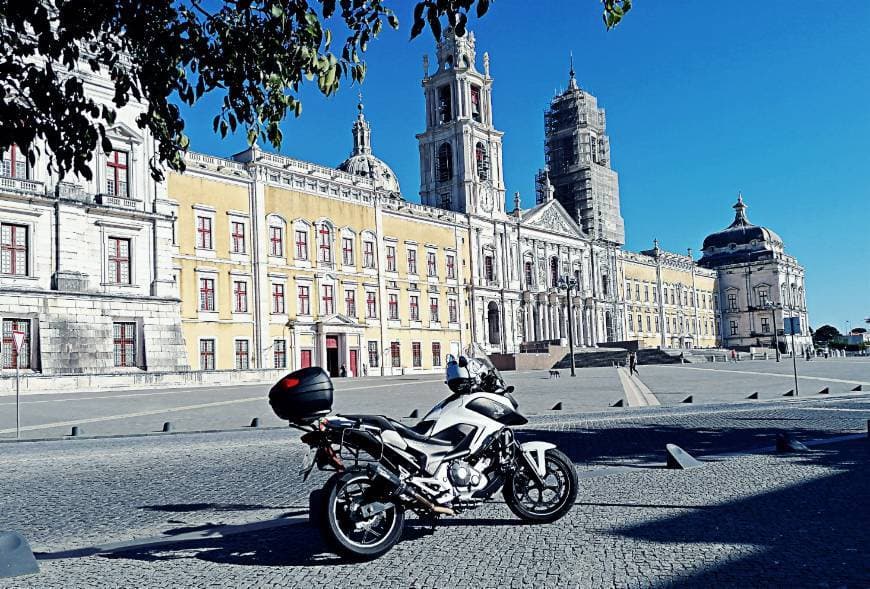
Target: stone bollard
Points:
(679, 458)
(76, 431)
(414, 413)
(16, 557)
(167, 427)
(753, 395)
(255, 422)
(557, 406)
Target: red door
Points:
(354, 362)
(304, 358)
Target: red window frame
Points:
(10, 354)
(242, 351)
(125, 344)
(240, 296)
(119, 261)
(347, 251)
(371, 305)
(451, 266)
(350, 303)
(368, 254)
(412, 261)
(396, 354)
(416, 354)
(276, 241)
(279, 353)
(436, 354)
(394, 307)
(278, 300)
(374, 355)
(118, 170)
(238, 237)
(415, 308)
(14, 249)
(328, 300)
(14, 160)
(391, 258)
(303, 295)
(488, 270)
(204, 233)
(206, 294)
(325, 244)
(431, 265)
(301, 244)
(452, 311)
(433, 309)
(206, 354)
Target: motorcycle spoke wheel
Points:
(546, 500)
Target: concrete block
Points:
(790, 393)
(753, 395)
(825, 391)
(16, 557)
(619, 403)
(687, 399)
(679, 458)
(785, 443)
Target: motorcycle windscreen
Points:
(496, 411)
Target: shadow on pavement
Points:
(190, 507)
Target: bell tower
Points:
(460, 150)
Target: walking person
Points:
(632, 363)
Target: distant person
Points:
(733, 356)
(365, 370)
(342, 371)
(632, 363)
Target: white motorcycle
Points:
(457, 457)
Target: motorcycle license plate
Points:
(307, 463)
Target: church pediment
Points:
(338, 320)
(552, 217)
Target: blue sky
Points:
(768, 98)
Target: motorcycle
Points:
(458, 456)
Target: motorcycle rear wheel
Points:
(343, 526)
(542, 505)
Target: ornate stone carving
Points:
(552, 221)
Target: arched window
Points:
(444, 163)
(482, 158)
(493, 323)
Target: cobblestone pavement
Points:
(749, 520)
(593, 389)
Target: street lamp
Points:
(568, 284)
(773, 306)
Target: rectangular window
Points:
(278, 301)
(488, 270)
(648, 323)
(451, 266)
(433, 310)
(475, 104)
(206, 294)
(10, 354)
(350, 303)
(242, 357)
(325, 245)
(304, 300)
(14, 164)
(238, 237)
(374, 356)
(762, 297)
(445, 104)
(368, 254)
(646, 293)
(371, 305)
(733, 325)
(639, 323)
(436, 354)
(347, 251)
(528, 269)
(391, 258)
(119, 260)
(301, 245)
(206, 354)
(203, 233)
(125, 344)
(627, 291)
(416, 355)
(431, 266)
(240, 296)
(657, 323)
(655, 295)
(279, 353)
(395, 354)
(117, 174)
(765, 325)
(14, 253)
(328, 300)
(452, 310)
(415, 308)
(732, 301)
(637, 291)
(276, 241)
(394, 306)
(412, 261)
(630, 322)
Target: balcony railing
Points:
(21, 185)
(116, 201)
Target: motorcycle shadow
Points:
(298, 545)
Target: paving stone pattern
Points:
(758, 519)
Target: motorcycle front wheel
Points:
(346, 529)
(542, 504)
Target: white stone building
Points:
(86, 264)
(759, 285)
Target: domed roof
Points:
(365, 164)
(741, 232)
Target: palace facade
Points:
(264, 261)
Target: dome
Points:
(362, 162)
(369, 166)
(740, 241)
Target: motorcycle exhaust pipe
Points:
(401, 488)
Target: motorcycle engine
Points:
(463, 474)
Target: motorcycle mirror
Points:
(463, 361)
(510, 389)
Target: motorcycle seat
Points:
(385, 423)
